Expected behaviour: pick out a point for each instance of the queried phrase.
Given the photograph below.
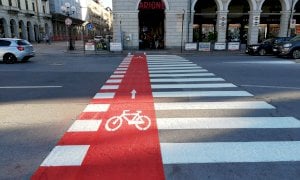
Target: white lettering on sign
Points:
(89, 46)
(190, 46)
(141, 122)
(151, 5)
(233, 46)
(116, 47)
(220, 46)
(204, 46)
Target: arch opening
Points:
(2, 28)
(270, 20)
(204, 26)
(237, 21)
(151, 24)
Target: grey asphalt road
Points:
(39, 101)
(275, 80)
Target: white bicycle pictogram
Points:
(141, 122)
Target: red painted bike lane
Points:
(127, 146)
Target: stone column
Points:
(130, 29)
(221, 25)
(173, 29)
(117, 24)
(284, 23)
(253, 30)
(191, 26)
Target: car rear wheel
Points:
(9, 59)
(296, 54)
(262, 52)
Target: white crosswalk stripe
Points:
(226, 152)
(185, 80)
(189, 86)
(182, 75)
(201, 94)
(172, 80)
(177, 71)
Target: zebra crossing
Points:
(212, 129)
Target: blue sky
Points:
(107, 3)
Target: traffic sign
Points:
(89, 26)
(68, 21)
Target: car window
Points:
(22, 42)
(296, 38)
(268, 41)
(4, 43)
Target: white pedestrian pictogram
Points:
(141, 122)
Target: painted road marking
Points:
(185, 80)
(110, 87)
(213, 105)
(96, 108)
(275, 87)
(124, 66)
(229, 152)
(28, 87)
(227, 123)
(117, 76)
(104, 95)
(122, 69)
(182, 75)
(264, 62)
(71, 155)
(166, 59)
(172, 65)
(166, 63)
(141, 122)
(114, 81)
(174, 68)
(201, 94)
(85, 126)
(187, 86)
(120, 72)
(177, 71)
(107, 149)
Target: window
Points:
(19, 4)
(33, 6)
(4, 43)
(44, 10)
(22, 42)
(9, 3)
(26, 4)
(0, 2)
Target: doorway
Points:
(151, 24)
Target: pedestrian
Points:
(47, 39)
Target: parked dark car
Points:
(266, 47)
(278, 42)
(290, 48)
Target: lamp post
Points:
(183, 11)
(69, 10)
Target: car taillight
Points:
(20, 48)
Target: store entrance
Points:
(151, 24)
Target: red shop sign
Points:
(151, 5)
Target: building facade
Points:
(142, 24)
(26, 19)
(87, 12)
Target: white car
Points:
(13, 50)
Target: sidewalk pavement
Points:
(61, 47)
